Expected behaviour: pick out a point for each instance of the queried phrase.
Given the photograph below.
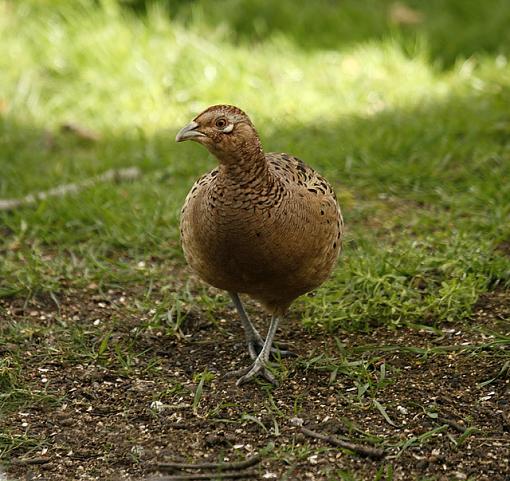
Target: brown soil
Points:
(103, 424)
(504, 247)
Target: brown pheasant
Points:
(261, 224)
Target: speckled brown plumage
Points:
(266, 225)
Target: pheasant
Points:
(261, 224)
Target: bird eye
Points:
(221, 123)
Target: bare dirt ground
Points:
(437, 403)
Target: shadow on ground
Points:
(449, 30)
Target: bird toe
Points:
(277, 352)
(257, 369)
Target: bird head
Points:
(226, 131)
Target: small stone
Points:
(137, 450)
(296, 421)
(268, 475)
(157, 406)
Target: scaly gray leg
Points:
(259, 366)
(254, 340)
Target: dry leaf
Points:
(401, 14)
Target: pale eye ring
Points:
(221, 123)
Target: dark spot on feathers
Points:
(322, 212)
(312, 190)
(334, 245)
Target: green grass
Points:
(410, 123)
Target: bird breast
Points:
(249, 239)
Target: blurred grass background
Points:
(403, 106)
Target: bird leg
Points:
(254, 340)
(259, 366)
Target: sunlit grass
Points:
(417, 152)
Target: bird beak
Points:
(189, 132)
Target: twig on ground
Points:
(29, 461)
(362, 450)
(185, 477)
(221, 466)
(454, 424)
(80, 132)
(178, 425)
(113, 175)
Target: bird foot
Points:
(248, 373)
(255, 346)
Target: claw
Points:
(277, 352)
(260, 350)
(256, 369)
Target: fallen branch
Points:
(223, 466)
(362, 450)
(113, 175)
(29, 461)
(185, 477)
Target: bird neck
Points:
(244, 164)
